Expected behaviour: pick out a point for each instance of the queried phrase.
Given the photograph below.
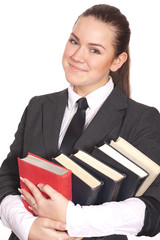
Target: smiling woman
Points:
(96, 64)
(89, 58)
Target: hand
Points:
(54, 208)
(44, 229)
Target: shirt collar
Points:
(95, 98)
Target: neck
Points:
(84, 91)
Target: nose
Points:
(79, 55)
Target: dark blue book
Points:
(85, 187)
(112, 179)
(135, 175)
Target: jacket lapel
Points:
(53, 112)
(108, 117)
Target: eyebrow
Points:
(93, 44)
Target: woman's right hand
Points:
(44, 229)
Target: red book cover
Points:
(39, 170)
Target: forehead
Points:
(91, 29)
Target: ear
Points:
(118, 62)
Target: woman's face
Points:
(89, 55)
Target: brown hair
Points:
(118, 22)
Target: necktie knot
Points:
(82, 103)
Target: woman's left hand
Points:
(54, 208)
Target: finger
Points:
(34, 190)
(60, 226)
(51, 192)
(29, 199)
(27, 196)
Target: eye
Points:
(73, 41)
(96, 51)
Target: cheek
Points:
(65, 53)
(102, 65)
(98, 65)
(65, 58)
(67, 50)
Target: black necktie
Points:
(75, 128)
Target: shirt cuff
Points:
(16, 217)
(125, 217)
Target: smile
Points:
(76, 69)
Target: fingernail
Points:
(22, 179)
(19, 190)
(22, 196)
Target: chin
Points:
(73, 80)
(70, 81)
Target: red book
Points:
(39, 170)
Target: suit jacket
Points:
(38, 133)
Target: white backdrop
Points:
(33, 34)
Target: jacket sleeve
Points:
(9, 176)
(147, 139)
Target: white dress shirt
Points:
(125, 217)
(94, 99)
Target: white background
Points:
(33, 34)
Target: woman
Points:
(96, 64)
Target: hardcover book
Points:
(39, 170)
(112, 179)
(140, 159)
(134, 174)
(85, 187)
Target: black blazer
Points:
(38, 133)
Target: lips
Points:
(76, 69)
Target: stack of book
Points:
(112, 172)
